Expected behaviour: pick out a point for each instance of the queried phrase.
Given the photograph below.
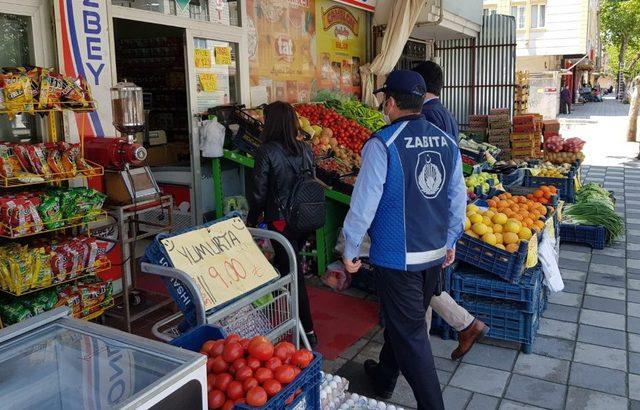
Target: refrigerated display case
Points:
(53, 361)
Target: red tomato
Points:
(231, 352)
(222, 381)
(211, 381)
(256, 397)
(273, 363)
(249, 383)
(302, 358)
(244, 343)
(216, 399)
(258, 339)
(263, 374)
(216, 348)
(238, 363)
(272, 387)
(240, 401)
(296, 371)
(232, 338)
(206, 346)
(235, 390)
(228, 405)
(218, 365)
(284, 374)
(244, 373)
(284, 350)
(262, 350)
(253, 363)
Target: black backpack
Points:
(304, 211)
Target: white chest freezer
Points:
(52, 362)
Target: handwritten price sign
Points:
(202, 57)
(222, 259)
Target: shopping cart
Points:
(270, 310)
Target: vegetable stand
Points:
(337, 205)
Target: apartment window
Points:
(538, 15)
(518, 13)
(489, 12)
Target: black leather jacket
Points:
(273, 179)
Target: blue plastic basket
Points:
(566, 186)
(308, 381)
(469, 280)
(441, 328)
(506, 322)
(506, 265)
(512, 179)
(592, 235)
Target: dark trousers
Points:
(565, 107)
(281, 262)
(404, 299)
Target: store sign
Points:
(284, 48)
(222, 259)
(82, 29)
(342, 19)
(202, 57)
(368, 5)
(223, 55)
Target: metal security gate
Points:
(479, 73)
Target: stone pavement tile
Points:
(542, 367)
(441, 348)
(608, 260)
(634, 405)
(571, 264)
(606, 291)
(553, 347)
(635, 221)
(633, 296)
(606, 279)
(634, 342)
(619, 253)
(634, 386)
(370, 351)
(483, 402)
(402, 395)
(602, 319)
(560, 312)
(443, 376)
(634, 363)
(633, 324)
(354, 349)
(491, 356)
(537, 392)
(583, 399)
(371, 333)
(570, 274)
(574, 286)
(603, 337)
(576, 256)
(447, 365)
(604, 304)
(600, 356)
(574, 247)
(598, 378)
(634, 238)
(557, 328)
(566, 299)
(633, 309)
(455, 398)
(608, 269)
(632, 231)
(633, 284)
(379, 337)
(333, 366)
(512, 405)
(480, 379)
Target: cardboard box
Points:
(161, 155)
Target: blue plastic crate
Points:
(566, 186)
(506, 322)
(441, 328)
(469, 280)
(592, 235)
(512, 179)
(506, 265)
(308, 381)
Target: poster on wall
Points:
(368, 5)
(214, 65)
(82, 37)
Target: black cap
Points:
(404, 82)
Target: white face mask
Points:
(385, 116)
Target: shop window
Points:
(518, 13)
(538, 12)
(216, 73)
(224, 12)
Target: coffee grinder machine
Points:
(127, 179)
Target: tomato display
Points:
(222, 381)
(302, 358)
(272, 387)
(347, 132)
(235, 390)
(261, 350)
(284, 374)
(232, 352)
(216, 399)
(263, 374)
(218, 365)
(256, 397)
(273, 363)
(244, 373)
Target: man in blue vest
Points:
(410, 198)
(432, 109)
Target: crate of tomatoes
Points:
(254, 373)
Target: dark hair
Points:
(409, 102)
(281, 125)
(432, 74)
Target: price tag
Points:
(223, 55)
(208, 82)
(202, 57)
(223, 261)
(532, 252)
(550, 228)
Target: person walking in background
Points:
(410, 197)
(565, 100)
(469, 329)
(278, 162)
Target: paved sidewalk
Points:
(587, 353)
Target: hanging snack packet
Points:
(13, 311)
(69, 297)
(54, 159)
(22, 154)
(68, 162)
(6, 165)
(42, 275)
(73, 94)
(17, 94)
(50, 212)
(34, 76)
(38, 159)
(51, 88)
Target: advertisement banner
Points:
(82, 39)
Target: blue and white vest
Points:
(409, 230)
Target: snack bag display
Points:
(50, 212)
(13, 311)
(17, 93)
(51, 87)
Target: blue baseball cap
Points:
(404, 82)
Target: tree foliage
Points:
(620, 23)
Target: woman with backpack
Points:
(283, 182)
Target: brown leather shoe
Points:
(468, 337)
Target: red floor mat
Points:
(339, 320)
